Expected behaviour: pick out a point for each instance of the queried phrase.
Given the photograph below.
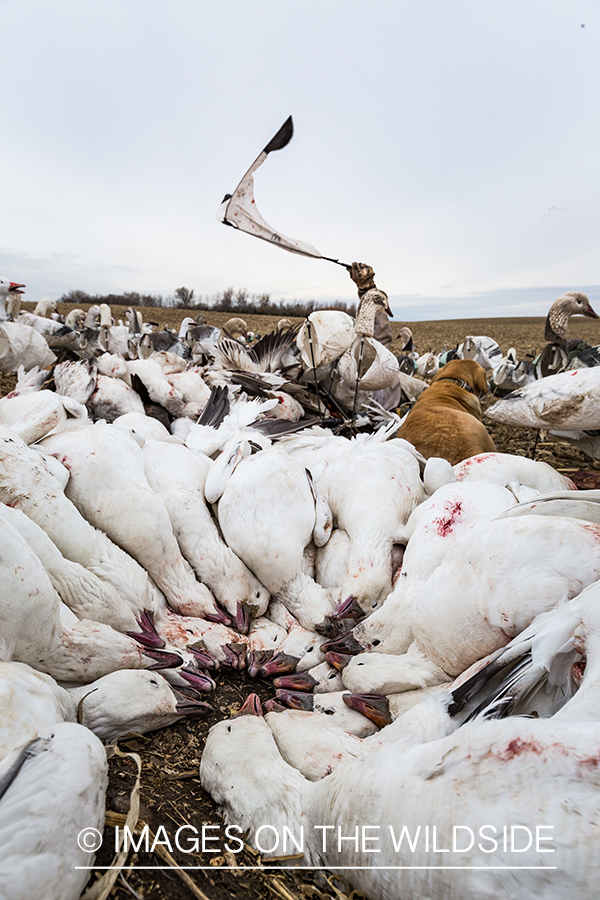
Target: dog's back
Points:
(446, 419)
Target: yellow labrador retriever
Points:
(446, 419)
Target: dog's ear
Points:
(480, 381)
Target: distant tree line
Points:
(230, 300)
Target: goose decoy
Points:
(8, 291)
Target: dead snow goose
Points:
(470, 776)
(268, 516)
(28, 484)
(178, 475)
(129, 700)
(506, 468)
(82, 591)
(109, 487)
(30, 622)
(566, 402)
(51, 789)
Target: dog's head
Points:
(466, 370)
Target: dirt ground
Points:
(170, 791)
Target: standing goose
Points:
(8, 291)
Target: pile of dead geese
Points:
(430, 628)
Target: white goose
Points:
(506, 468)
(268, 516)
(56, 334)
(315, 745)
(161, 391)
(33, 415)
(375, 530)
(382, 673)
(118, 703)
(479, 776)
(297, 649)
(178, 475)
(331, 705)
(566, 402)
(8, 290)
(28, 484)
(495, 583)
(432, 530)
(50, 790)
(109, 487)
(82, 591)
(33, 632)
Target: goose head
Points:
(365, 317)
(8, 289)
(244, 772)
(573, 303)
(131, 701)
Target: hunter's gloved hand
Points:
(363, 276)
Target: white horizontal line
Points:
(308, 868)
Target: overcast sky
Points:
(452, 144)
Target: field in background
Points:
(171, 795)
(526, 334)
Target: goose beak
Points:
(345, 643)
(374, 706)
(187, 706)
(148, 636)
(328, 627)
(274, 706)
(163, 659)
(235, 656)
(339, 661)
(15, 288)
(202, 656)
(241, 620)
(349, 608)
(219, 616)
(296, 700)
(590, 312)
(299, 681)
(266, 663)
(250, 707)
(198, 680)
